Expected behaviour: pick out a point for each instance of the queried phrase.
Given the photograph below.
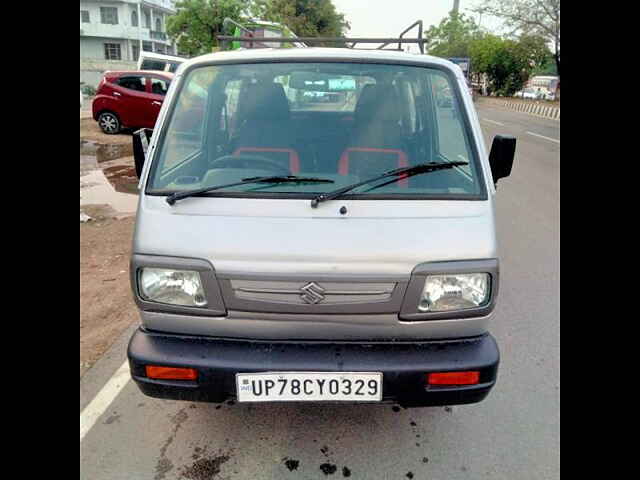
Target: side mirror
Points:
(140, 146)
(503, 150)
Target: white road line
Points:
(542, 136)
(103, 399)
(493, 121)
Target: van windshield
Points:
(153, 64)
(344, 122)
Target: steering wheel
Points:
(235, 161)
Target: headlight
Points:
(454, 292)
(175, 287)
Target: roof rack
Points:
(419, 40)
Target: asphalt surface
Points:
(513, 434)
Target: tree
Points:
(483, 50)
(509, 63)
(528, 17)
(534, 50)
(197, 23)
(306, 18)
(507, 70)
(452, 37)
(548, 67)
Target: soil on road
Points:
(106, 302)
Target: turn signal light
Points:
(171, 373)
(453, 378)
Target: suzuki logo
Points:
(312, 293)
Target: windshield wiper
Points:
(398, 172)
(174, 197)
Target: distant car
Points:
(129, 99)
(529, 93)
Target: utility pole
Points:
(139, 29)
(456, 6)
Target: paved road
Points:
(513, 434)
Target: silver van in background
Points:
(323, 248)
(159, 62)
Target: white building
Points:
(112, 33)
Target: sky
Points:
(387, 18)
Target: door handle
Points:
(156, 102)
(117, 94)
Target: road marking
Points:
(542, 136)
(103, 399)
(493, 121)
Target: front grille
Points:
(311, 293)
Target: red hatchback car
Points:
(130, 99)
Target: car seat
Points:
(377, 141)
(265, 125)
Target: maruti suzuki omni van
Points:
(317, 248)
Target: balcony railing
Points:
(158, 35)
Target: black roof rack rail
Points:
(421, 45)
(228, 21)
(420, 41)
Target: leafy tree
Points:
(528, 17)
(452, 37)
(507, 69)
(197, 23)
(306, 18)
(548, 67)
(483, 50)
(508, 63)
(533, 49)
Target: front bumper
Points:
(403, 365)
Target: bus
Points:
(546, 86)
(261, 29)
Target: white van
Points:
(159, 62)
(317, 252)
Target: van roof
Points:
(117, 73)
(161, 56)
(317, 53)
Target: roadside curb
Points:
(533, 108)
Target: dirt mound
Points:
(106, 302)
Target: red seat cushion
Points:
(294, 160)
(344, 164)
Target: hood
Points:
(274, 236)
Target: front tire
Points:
(109, 123)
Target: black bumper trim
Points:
(403, 365)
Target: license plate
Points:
(309, 387)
